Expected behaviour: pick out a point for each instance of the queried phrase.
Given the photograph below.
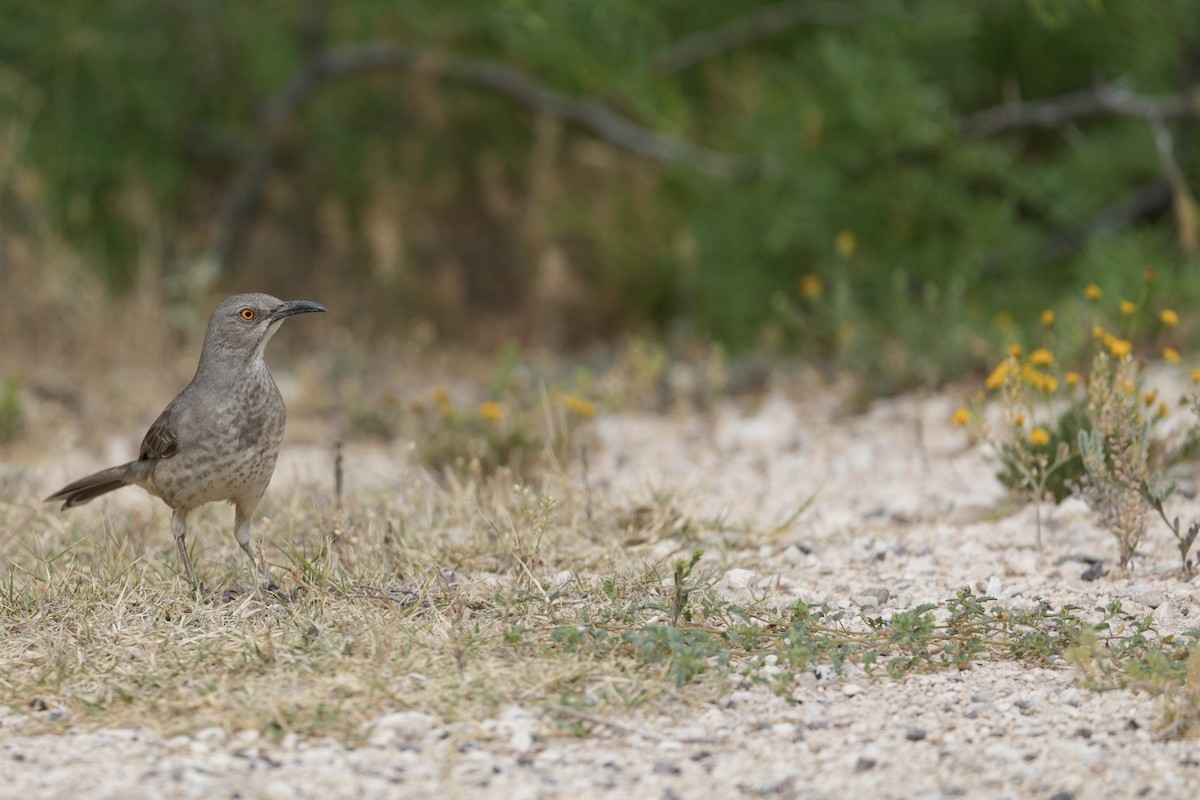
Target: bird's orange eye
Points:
(246, 314)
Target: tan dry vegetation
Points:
(443, 598)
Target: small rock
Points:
(666, 768)
(278, 789)
(1095, 572)
(794, 555)
(740, 579)
(977, 710)
(1150, 599)
(824, 673)
(406, 726)
(244, 738)
(1071, 697)
(881, 592)
(1024, 704)
(784, 730)
(210, 736)
(851, 689)
(994, 589)
(914, 734)
(866, 601)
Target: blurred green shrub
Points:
(447, 202)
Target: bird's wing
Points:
(162, 440)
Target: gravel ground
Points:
(903, 512)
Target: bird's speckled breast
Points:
(229, 452)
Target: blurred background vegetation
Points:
(892, 187)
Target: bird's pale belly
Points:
(185, 482)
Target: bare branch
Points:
(343, 62)
(1144, 202)
(1053, 112)
(769, 21)
(590, 114)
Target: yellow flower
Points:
(1014, 350)
(492, 412)
(1042, 357)
(1168, 317)
(1119, 347)
(1019, 420)
(441, 399)
(1164, 410)
(1048, 317)
(1093, 292)
(961, 416)
(998, 376)
(1127, 386)
(1039, 437)
(1196, 375)
(1128, 307)
(1072, 378)
(579, 406)
(1097, 332)
(846, 243)
(1035, 377)
(1150, 397)
(1171, 355)
(811, 286)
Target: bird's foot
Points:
(233, 594)
(224, 596)
(282, 596)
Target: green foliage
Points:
(1106, 445)
(1061, 482)
(10, 408)
(135, 117)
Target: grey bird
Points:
(218, 440)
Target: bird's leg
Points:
(241, 531)
(179, 528)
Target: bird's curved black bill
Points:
(295, 307)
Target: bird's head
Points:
(241, 326)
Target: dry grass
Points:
(445, 599)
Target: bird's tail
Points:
(94, 485)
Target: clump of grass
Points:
(1095, 435)
(524, 433)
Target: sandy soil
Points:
(901, 509)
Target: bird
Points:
(219, 438)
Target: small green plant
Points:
(524, 432)
(683, 591)
(1116, 452)
(1155, 496)
(1100, 439)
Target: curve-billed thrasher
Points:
(219, 438)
